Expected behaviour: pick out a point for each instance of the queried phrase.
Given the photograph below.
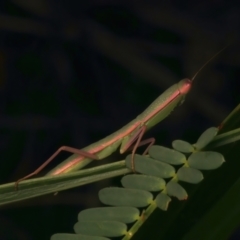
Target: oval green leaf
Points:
(162, 201)
(182, 146)
(176, 190)
(190, 175)
(119, 214)
(144, 182)
(102, 228)
(149, 166)
(206, 137)
(167, 155)
(125, 197)
(69, 236)
(206, 160)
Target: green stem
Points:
(225, 138)
(144, 216)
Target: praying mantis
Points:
(128, 137)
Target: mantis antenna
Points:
(204, 65)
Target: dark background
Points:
(72, 72)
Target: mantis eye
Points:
(185, 86)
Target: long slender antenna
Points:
(204, 65)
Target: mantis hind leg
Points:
(136, 141)
(63, 148)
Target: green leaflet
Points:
(125, 197)
(149, 166)
(144, 182)
(176, 190)
(68, 236)
(111, 221)
(119, 214)
(206, 137)
(167, 155)
(101, 228)
(206, 160)
(182, 146)
(190, 175)
(162, 201)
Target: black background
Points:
(72, 72)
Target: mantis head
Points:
(184, 86)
